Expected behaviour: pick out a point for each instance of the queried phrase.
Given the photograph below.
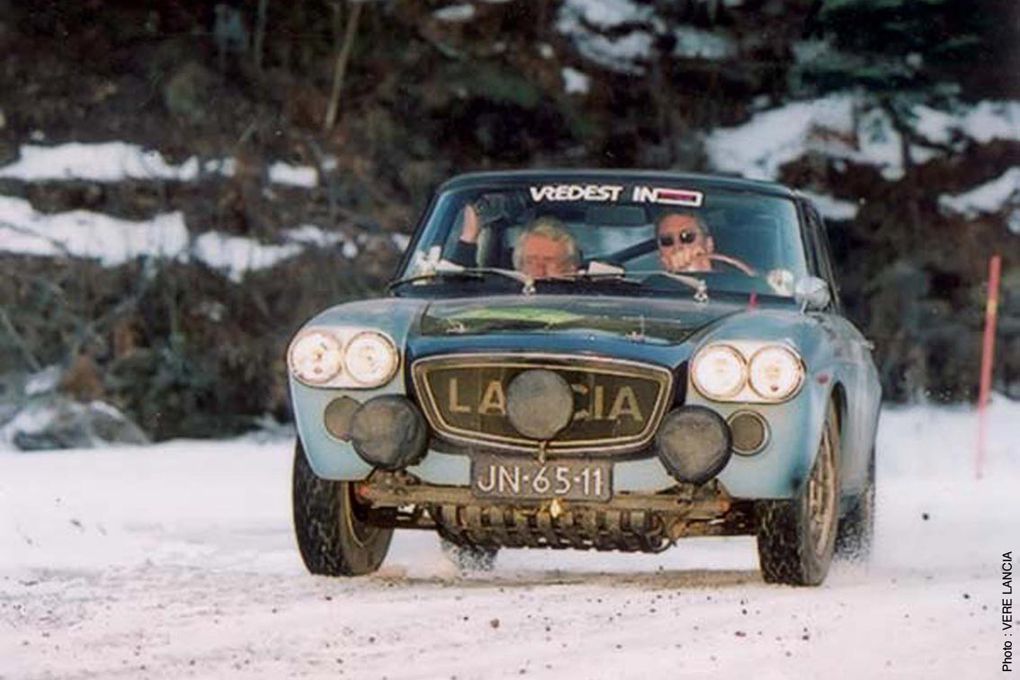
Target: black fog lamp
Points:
(750, 432)
(338, 416)
(389, 432)
(693, 443)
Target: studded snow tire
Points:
(329, 523)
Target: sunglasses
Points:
(684, 237)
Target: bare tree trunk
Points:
(260, 33)
(340, 69)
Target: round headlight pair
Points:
(369, 358)
(721, 372)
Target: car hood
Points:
(652, 320)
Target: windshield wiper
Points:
(592, 277)
(699, 285)
(454, 271)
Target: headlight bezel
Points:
(798, 368)
(748, 350)
(702, 355)
(344, 378)
(298, 342)
(386, 342)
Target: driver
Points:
(545, 249)
(684, 243)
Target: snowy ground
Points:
(178, 561)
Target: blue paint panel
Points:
(775, 472)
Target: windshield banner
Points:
(614, 193)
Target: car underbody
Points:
(629, 522)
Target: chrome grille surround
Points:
(642, 376)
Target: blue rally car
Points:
(593, 360)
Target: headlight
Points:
(315, 357)
(371, 358)
(775, 373)
(719, 371)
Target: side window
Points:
(819, 241)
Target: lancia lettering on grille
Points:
(493, 401)
(616, 405)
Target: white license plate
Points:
(500, 477)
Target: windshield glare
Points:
(733, 241)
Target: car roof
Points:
(695, 180)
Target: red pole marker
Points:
(987, 357)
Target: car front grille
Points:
(617, 404)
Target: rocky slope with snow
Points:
(171, 208)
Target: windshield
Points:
(652, 236)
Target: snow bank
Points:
(990, 120)
(775, 137)
(832, 127)
(119, 161)
(81, 233)
(59, 422)
(623, 54)
(582, 21)
(112, 241)
(103, 162)
(605, 13)
(844, 126)
(991, 197)
(983, 122)
(236, 255)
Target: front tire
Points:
(796, 537)
(331, 526)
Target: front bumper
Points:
(629, 522)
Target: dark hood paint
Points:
(649, 321)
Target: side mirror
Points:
(812, 293)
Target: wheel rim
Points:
(822, 497)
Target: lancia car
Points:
(545, 371)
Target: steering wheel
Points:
(733, 262)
